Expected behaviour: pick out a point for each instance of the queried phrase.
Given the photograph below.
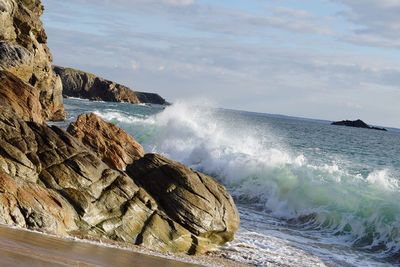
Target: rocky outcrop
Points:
(73, 191)
(151, 98)
(23, 52)
(111, 144)
(194, 200)
(74, 183)
(357, 124)
(85, 85)
(19, 98)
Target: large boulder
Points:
(77, 83)
(111, 144)
(194, 200)
(23, 52)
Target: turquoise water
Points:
(331, 192)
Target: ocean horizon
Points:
(200, 133)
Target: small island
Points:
(357, 124)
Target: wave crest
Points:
(259, 169)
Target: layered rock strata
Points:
(193, 199)
(19, 98)
(23, 52)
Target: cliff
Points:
(77, 83)
(24, 53)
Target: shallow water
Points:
(323, 193)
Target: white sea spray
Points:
(354, 207)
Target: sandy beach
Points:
(20, 247)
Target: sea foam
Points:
(260, 170)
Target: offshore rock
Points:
(357, 124)
(23, 52)
(85, 85)
(111, 144)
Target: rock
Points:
(52, 169)
(31, 206)
(151, 98)
(16, 59)
(357, 124)
(194, 200)
(85, 85)
(23, 52)
(54, 181)
(111, 144)
(19, 97)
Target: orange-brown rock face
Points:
(23, 52)
(19, 97)
(29, 205)
(111, 144)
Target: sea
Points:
(308, 193)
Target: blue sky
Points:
(325, 59)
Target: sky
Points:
(323, 59)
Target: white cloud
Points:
(135, 65)
(292, 12)
(376, 22)
(242, 59)
(139, 3)
(179, 2)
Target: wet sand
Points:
(25, 248)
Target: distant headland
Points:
(357, 124)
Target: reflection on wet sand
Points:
(24, 248)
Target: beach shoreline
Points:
(20, 247)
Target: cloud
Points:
(240, 22)
(376, 22)
(179, 2)
(140, 2)
(278, 60)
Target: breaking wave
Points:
(261, 171)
